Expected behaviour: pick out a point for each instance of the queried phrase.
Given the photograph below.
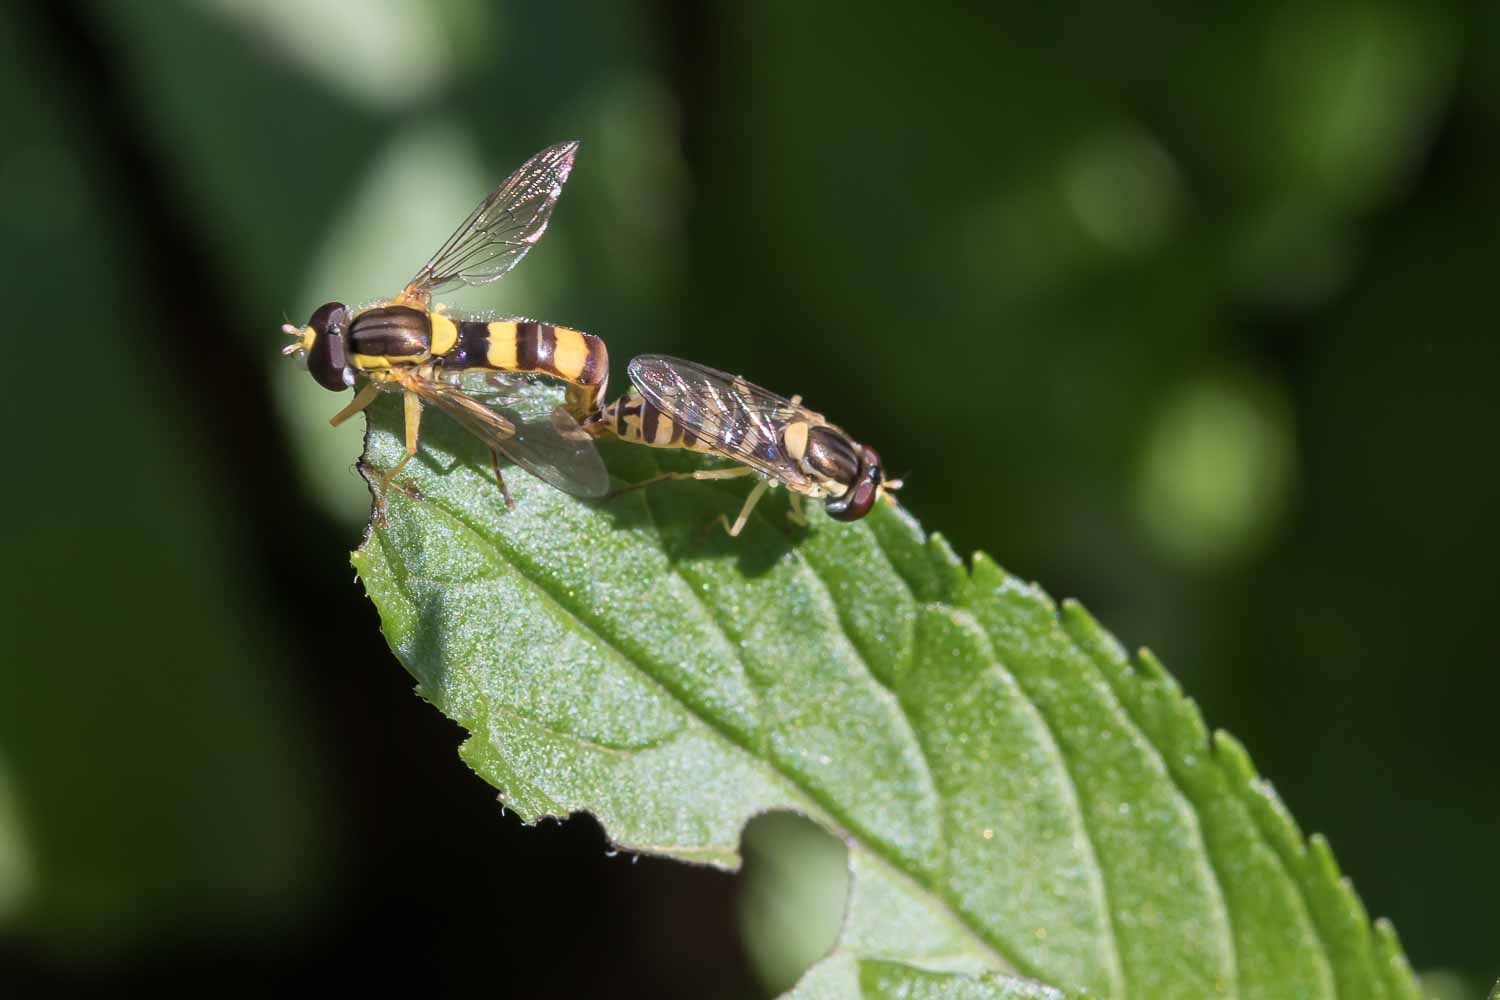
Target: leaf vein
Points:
(1117, 963)
(713, 619)
(1167, 769)
(930, 780)
(844, 828)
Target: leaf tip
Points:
(1154, 670)
(1232, 755)
(1096, 640)
(937, 544)
(1327, 867)
(1392, 956)
(949, 566)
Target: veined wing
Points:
(497, 234)
(740, 419)
(519, 422)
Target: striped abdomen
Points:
(579, 359)
(632, 418)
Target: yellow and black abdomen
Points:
(633, 418)
(403, 337)
(579, 359)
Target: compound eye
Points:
(328, 358)
(855, 503)
(329, 316)
(862, 492)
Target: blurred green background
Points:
(1187, 313)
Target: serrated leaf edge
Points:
(955, 582)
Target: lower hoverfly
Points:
(679, 404)
(475, 370)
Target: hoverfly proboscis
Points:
(680, 404)
(477, 371)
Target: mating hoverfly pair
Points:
(478, 371)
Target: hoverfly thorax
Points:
(829, 455)
(394, 331)
(323, 342)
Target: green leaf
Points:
(1018, 797)
(842, 975)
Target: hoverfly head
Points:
(322, 341)
(858, 468)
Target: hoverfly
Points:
(679, 404)
(475, 370)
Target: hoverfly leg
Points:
(500, 480)
(371, 472)
(413, 408)
(631, 488)
(409, 489)
(750, 502)
(794, 511)
(733, 472)
(364, 398)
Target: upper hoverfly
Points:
(477, 371)
(680, 404)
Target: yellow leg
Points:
(362, 399)
(733, 472)
(794, 512)
(750, 502)
(413, 405)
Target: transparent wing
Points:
(521, 421)
(497, 234)
(742, 420)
